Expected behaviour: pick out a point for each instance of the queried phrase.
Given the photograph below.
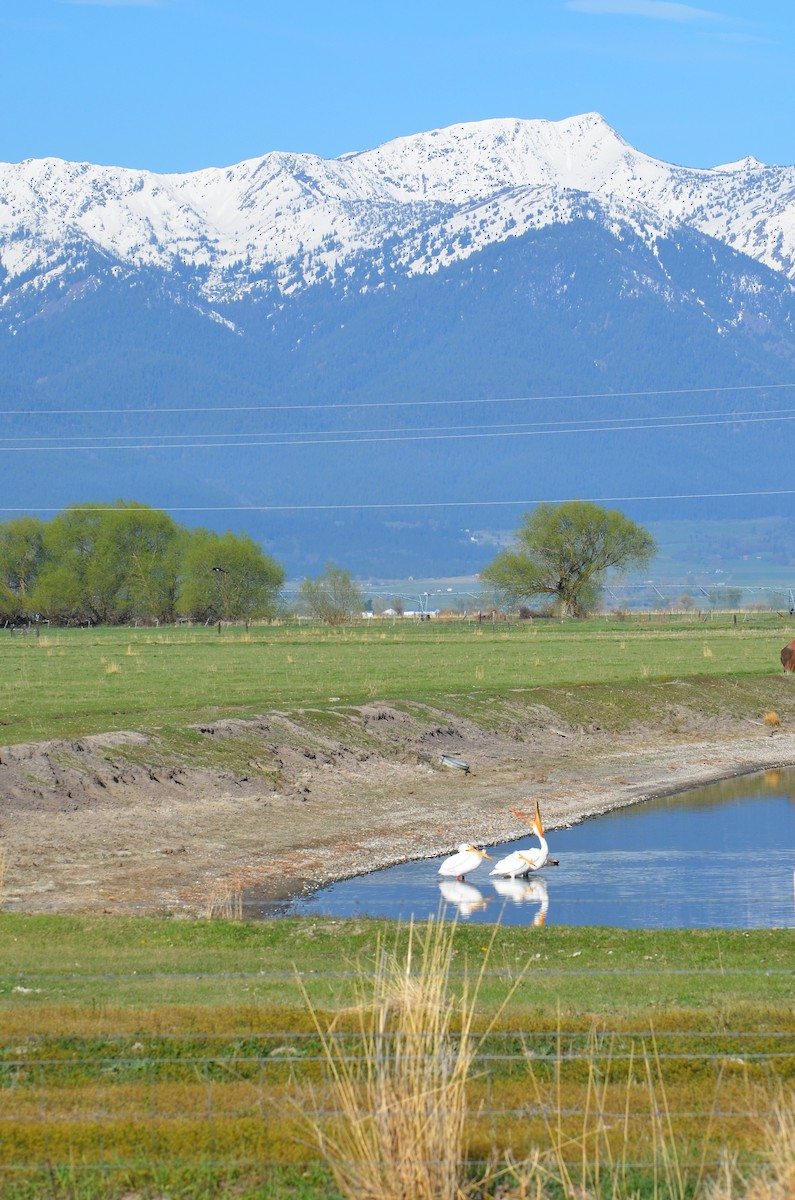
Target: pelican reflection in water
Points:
(525, 891)
(465, 896)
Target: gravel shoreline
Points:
(482, 814)
(102, 826)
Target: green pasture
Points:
(128, 962)
(70, 682)
(174, 1058)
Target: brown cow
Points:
(788, 657)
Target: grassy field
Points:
(165, 1057)
(95, 962)
(68, 683)
(175, 1057)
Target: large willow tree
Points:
(563, 552)
(227, 576)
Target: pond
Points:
(721, 856)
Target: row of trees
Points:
(562, 554)
(123, 562)
(107, 564)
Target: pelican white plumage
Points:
(530, 858)
(465, 860)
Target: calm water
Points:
(720, 856)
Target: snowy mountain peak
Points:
(480, 158)
(418, 202)
(749, 163)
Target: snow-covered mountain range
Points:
(414, 204)
(276, 338)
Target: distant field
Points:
(65, 683)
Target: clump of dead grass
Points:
(398, 1084)
(594, 1158)
(224, 901)
(391, 1121)
(594, 1161)
(775, 1179)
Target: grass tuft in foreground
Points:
(395, 1120)
(776, 1180)
(401, 1102)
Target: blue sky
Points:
(174, 85)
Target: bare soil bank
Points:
(117, 822)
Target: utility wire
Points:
(336, 440)
(596, 425)
(390, 505)
(747, 387)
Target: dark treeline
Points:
(123, 562)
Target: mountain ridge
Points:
(284, 220)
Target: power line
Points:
(596, 425)
(389, 436)
(734, 388)
(390, 505)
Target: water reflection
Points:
(525, 891)
(720, 856)
(465, 897)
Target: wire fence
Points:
(231, 1101)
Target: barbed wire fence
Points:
(110, 1102)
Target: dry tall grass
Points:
(779, 1180)
(225, 901)
(399, 1100)
(595, 1162)
(596, 1159)
(391, 1125)
(776, 1178)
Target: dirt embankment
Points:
(118, 822)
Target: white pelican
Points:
(531, 858)
(464, 896)
(467, 858)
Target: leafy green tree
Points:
(332, 597)
(21, 558)
(83, 571)
(9, 603)
(105, 563)
(227, 577)
(148, 546)
(564, 551)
